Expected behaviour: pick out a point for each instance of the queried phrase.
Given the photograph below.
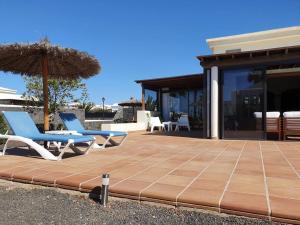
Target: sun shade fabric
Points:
(72, 123)
(22, 125)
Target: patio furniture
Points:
(25, 131)
(155, 122)
(273, 124)
(183, 121)
(291, 123)
(168, 124)
(71, 122)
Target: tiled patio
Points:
(251, 178)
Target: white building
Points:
(10, 97)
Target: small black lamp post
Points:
(103, 100)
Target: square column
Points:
(214, 113)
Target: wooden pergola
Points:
(264, 56)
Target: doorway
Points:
(243, 97)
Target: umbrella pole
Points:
(45, 92)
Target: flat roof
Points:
(257, 34)
(251, 57)
(189, 81)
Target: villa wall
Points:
(276, 38)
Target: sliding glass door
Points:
(243, 103)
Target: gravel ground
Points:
(48, 206)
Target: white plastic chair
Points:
(183, 121)
(155, 122)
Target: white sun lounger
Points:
(25, 131)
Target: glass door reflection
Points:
(243, 92)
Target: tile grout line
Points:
(266, 183)
(231, 175)
(154, 182)
(202, 171)
(129, 164)
(169, 158)
(76, 173)
(286, 159)
(118, 169)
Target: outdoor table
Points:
(169, 125)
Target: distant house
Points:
(10, 97)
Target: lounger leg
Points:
(114, 143)
(106, 141)
(78, 151)
(5, 147)
(123, 139)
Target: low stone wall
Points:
(96, 124)
(126, 114)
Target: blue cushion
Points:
(103, 133)
(61, 138)
(21, 124)
(71, 122)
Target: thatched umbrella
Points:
(132, 102)
(48, 61)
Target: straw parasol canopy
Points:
(48, 61)
(132, 102)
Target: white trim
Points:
(214, 103)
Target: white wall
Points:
(143, 118)
(276, 38)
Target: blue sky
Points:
(137, 39)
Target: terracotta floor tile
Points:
(96, 183)
(285, 208)
(162, 192)
(74, 180)
(250, 203)
(283, 182)
(8, 173)
(129, 187)
(28, 175)
(186, 173)
(214, 175)
(175, 180)
(280, 171)
(170, 164)
(247, 179)
(286, 192)
(256, 188)
(209, 184)
(201, 197)
(151, 174)
(49, 178)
